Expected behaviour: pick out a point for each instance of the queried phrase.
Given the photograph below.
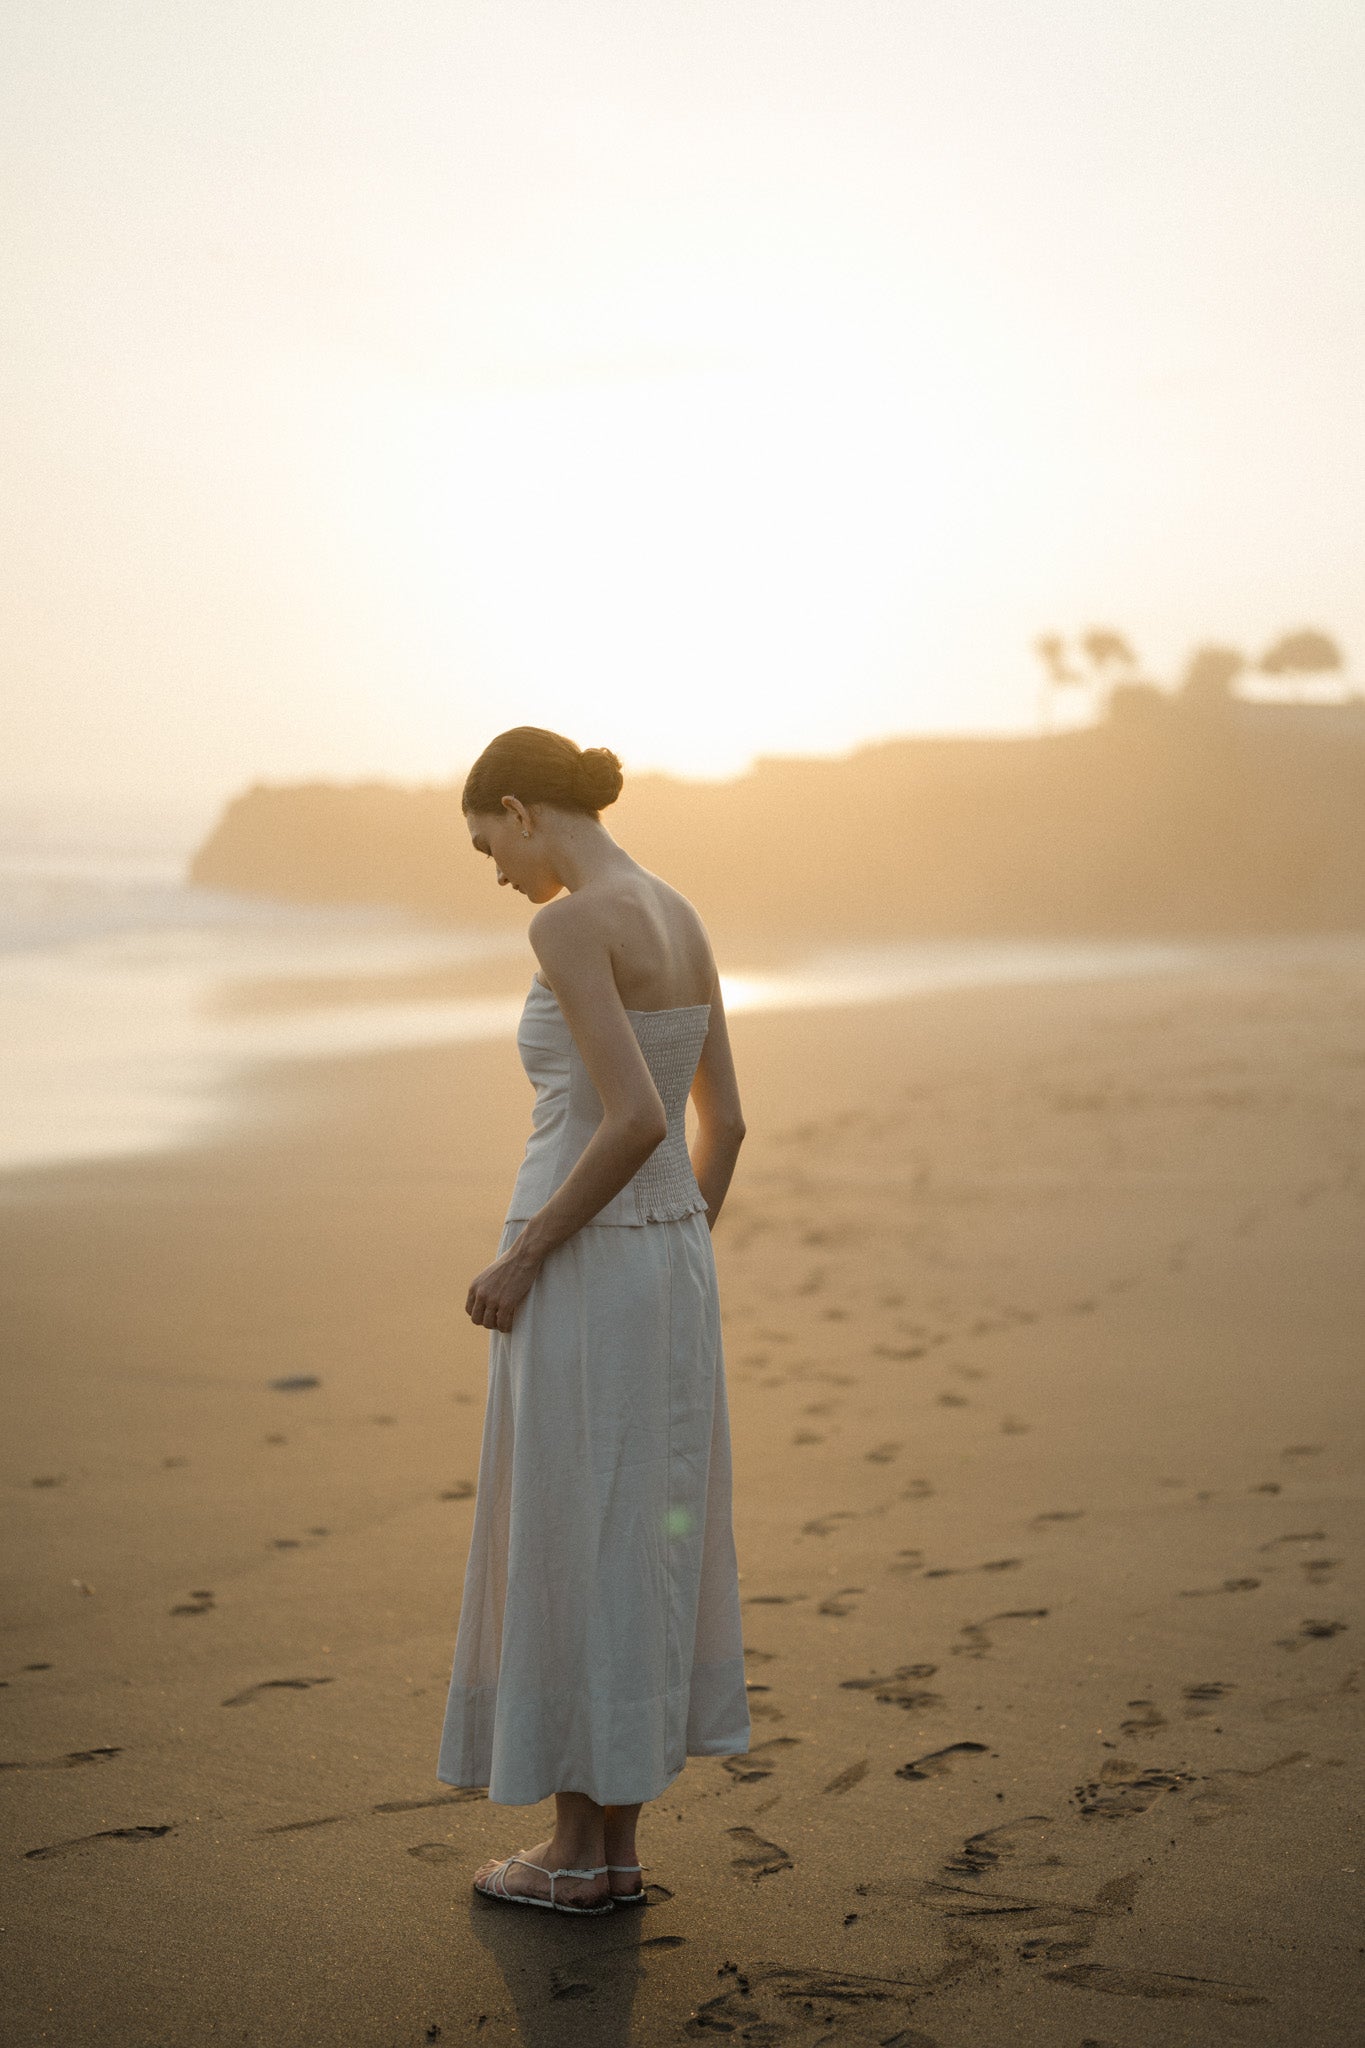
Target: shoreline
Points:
(176, 1093)
(1041, 1309)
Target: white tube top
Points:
(568, 1109)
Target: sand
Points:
(1044, 1317)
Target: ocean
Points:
(132, 1004)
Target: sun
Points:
(697, 561)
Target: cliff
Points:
(1160, 820)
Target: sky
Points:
(704, 380)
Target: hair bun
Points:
(600, 773)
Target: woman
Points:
(599, 1636)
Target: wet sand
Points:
(1044, 1314)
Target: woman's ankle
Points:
(576, 1856)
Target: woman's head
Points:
(541, 767)
(532, 792)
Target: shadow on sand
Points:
(571, 1980)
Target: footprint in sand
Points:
(1214, 1690)
(978, 1643)
(883, 1454)
(1146, 1722)
(918, 1489)
(298, 1827)
(1305, 1536)
(760, 1760)
(1058, 1515)
(62, 1763)
(198, 1603)
(1317, 1570)
(239, 1699)
(935, 1763)
(951, 1400)
(463, 1489)
(1228, 1586)
(898, 1688)
(1127, 1983)
(825, 1525)
(906, 1561)
(1010, 1425)
(774, 1600)
(806, 1436)
(1310, 1631)
(980, 1853)
(755, 1857)
(1302, 1451)
(1122, 1791)
(802, 2006)
(952, 1571)
(149, 1833)
(851, 1775)
(838, 1604)
(461, 1796)
(1216, 1801)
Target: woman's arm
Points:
(720, 1119)
(633, 1122)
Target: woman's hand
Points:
(495, 1293)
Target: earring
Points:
(524, 833)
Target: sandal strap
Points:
(625, 1867)
(497, 1879)
(600, 1871)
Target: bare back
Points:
(661, 959)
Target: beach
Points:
(1044, 1312)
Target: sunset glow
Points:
(702, 383)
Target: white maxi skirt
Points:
(599, 1636)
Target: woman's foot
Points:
(620, 1853)
(524, 1880)
(626, 1881)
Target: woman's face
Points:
(498, 835)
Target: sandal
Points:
(629, 1898)
(494, 1886)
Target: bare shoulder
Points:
(564, 923)
(571, 943)
(555, 924)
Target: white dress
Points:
(599, 1636)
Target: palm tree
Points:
(1305, 653)
(1106, 649)
(1050, 649)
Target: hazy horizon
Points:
(704, 385)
